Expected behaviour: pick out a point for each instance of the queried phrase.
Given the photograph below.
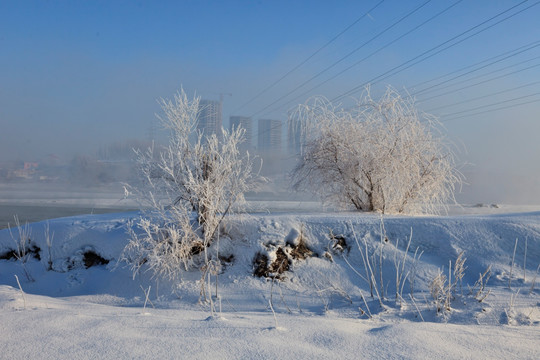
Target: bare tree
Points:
(187, 189)
(381, 155)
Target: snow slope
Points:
(323, 307)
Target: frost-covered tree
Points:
(380, 155)
(187, 189)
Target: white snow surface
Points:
(74, 312)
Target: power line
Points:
(480, 68)
(344, 57)
(488, 73)
(481, 82)
(483, 97)
(492, 110)
(492, 104)
(371, 54)
(479, 107)
(311, 56)
(456, 43)
(393, 71)
(475, 64)
(483, 75)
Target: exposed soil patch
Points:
(295, 249)
(274, 270)
(10, 255)
(281, 264)
(301, 250)
(260, 265)
(338, 244)
(32, 250)
(86, 257)
(227, 259)
(91, 258)
(196, 248)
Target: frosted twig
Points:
(365, 303)
(534, 279)
(49, 240)
(400, 269)
(525, 260)
(416, 306)
(21, 245)
(512, 266)
(22, 292)
(283, 300)
(146, 298)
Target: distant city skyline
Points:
(210, 120)
(247, 124)
(269, 136)
(79, 76)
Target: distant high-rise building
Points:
(244, 122)
(210, 120)
(269, 135)
(293, 134)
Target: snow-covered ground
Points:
(323, 307)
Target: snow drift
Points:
(323, 304)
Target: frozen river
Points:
(37, 202)
(34, 213)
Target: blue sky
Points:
(77, 75)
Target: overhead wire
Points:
(492, 110)
(485, 74)
(486, 81)
(370, 55)
(475, 64)
(311, 56)
(483, 97)
(418, 59)
(514, 52)
(344, 57)
(480, 82)
(480, 68)
(492, 104)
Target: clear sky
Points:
(78, 75)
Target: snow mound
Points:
(328, 303)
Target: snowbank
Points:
(323, 304)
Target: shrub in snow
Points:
(479, 289)
(187, 189)
(443, 290)
(381, 155)
(24, 248)
(440, 292)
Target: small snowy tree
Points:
(381, 155)
(187, 189)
